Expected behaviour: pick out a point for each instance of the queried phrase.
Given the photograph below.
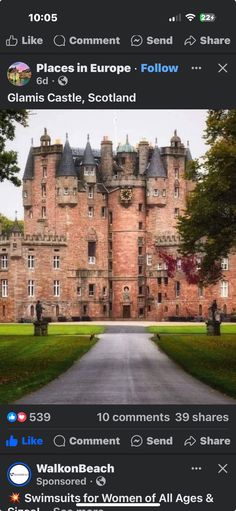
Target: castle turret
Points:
(89, 164)
(28, 176)
(156, 180)
(45, 139)
(143, 150)
(126, 155)
(106, 158)
(67, 189)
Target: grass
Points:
(28, 363)
(210, 359)
(53, 329)
(226, 328)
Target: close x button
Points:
(223, 68)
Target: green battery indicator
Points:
(206, 17)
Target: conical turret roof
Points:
(156, 167)
(88, 158)
(66, 166)
(29, 168)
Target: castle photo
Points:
(96, 220)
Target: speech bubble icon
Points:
(136, 40)
(59, 441)
(59, 40)
(136, 441)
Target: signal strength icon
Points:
(190, 17)
(178, 17)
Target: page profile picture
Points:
(19, 74)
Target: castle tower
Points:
(106, 158)
(89, 165)
(66, 178)
(156, 176)
(39, 182)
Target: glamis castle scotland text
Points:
(95, 222)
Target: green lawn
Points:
(55, 329)
(226, 328)
(27, 362)
(210, 359)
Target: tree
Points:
(6, 224)
(8, 159)
(208, 227)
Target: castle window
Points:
(57, 310)
(90, 211)
(44, 190)
(66, 191)
(176, 192)
(103, 212)
(159, 298)
(159, 281)
(149, 260)
(164, 193)
(103, 196)
(225, 263)
(177, 289)
(44, 171)
(140, 290)
(90, 192)
(30, 213)
(159, 266)
(148, 290)
(140, 225)
(89, 172)
(110, 245)
(141, 311)
(31, 287)
(123, 161)
(4, 310)
(56, 262)
(4, 288)
(44, 212)
(110, 217)
(156, 192)
(176, 173)
(91, 289)
(200, 309)
(177, 310)
(176, 212)
(25, 194)
(200, 291)
(115, 175)
(92, 252)
(110, 265)
(166, 281)
(4, 262)
(104, 291)
(140, 250)
(224, 289)
(140, 207)
(85, 309)
(32, 311)
(225, 309)
(104, 309)
(179, 265)
(31, 262)
(56, 287)
(140, 270)
(79, 292)
(149, 308)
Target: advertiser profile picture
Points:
(19, 74)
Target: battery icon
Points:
(206, 17)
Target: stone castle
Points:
(95, 222)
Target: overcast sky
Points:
(138, 124)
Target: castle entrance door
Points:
(126, 311)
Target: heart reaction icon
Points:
(21, 417)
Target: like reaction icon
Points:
(12, 442)
(12, 41)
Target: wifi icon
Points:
(190, 17)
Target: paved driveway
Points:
(125, 368)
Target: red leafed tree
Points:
(194, 273)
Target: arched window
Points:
(32, 311)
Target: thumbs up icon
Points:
(12, 41)
(12, 442)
